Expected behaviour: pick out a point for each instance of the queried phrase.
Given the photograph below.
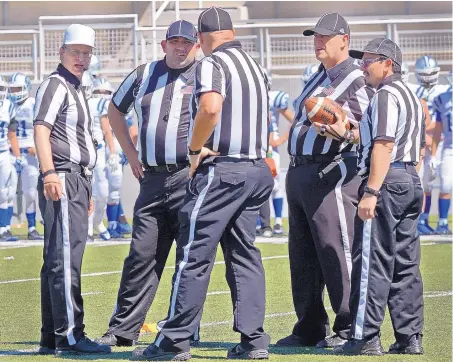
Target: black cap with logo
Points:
(214, 19)
(380, 46)
(329, 24)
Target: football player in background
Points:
(279, 105)
(8, 138)
(427, 73)
(19, 89)
(442, 106)
(103, 137)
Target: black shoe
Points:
(370, 347)
(332, 341)
(34, 235)
(278, 229)
(294, 341)
(84, 345)
(154, 353)
(413, 346)
(109, 339)
(46, 350)
(239, 352)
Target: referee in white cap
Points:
(67, 154)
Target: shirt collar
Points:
(66, 74)
(390, 79)
(186, 72)
(228, 44)
(334, 72)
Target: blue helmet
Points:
(405, 72)
(102, 88)
(95, 66)
(3, 88)
(23, 85)
(308, 72)
(427, 71)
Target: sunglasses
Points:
(365, 63)
(78, 54)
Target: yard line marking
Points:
(220, 262)
(92, 293)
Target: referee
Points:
(160, 92)
(67, 154)
(224, 194)
(322, 191)
(386, 254)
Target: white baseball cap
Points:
(79, 34)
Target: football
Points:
(322, 110)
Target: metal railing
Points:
(122, 45)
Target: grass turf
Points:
(20, 305)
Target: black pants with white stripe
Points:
(386, 260)
(321, 231)
(65, 235)
(155, 227)
(221, 206)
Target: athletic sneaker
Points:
(124, 228)
(7, 236)
(105, 235)
(278, 229)
(267, 233)
(424, 228)
(442, 230)
(154, 353)
(34, 235)
(114, 234)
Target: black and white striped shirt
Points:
(344, 84)
(243, 128)
(395, 114)
(62, 107)
(161, 97)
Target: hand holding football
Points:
(322, 110)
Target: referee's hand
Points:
(136, 165)
(367, 207)
(52, 187)
(196, 159)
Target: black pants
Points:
(321, 231)
(65, 235)
(221, 205)
(386, 260)
(155, 227)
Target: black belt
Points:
(309, 159)
(228, 159)
(74, 168)
(167, 168)
(400, 164)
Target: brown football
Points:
(322, 110)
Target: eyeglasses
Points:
(365, 63)
(78, 54)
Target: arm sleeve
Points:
(49, 102)
(209, 77)
(384, 116)
(124, 97)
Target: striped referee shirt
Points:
(161, 97)
(345, 84)
(394, 114)
(243, 128)
(61, 106)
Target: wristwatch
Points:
(193, 153)
(371, 191)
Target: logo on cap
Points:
(341, 31)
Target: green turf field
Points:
(20, 305)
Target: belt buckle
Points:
(87, 171)
(171, 168)
(292, 161)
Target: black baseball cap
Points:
(214, 19)
(380, 46)
(184, 29)
(329, 24)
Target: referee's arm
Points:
(120, 105)
(384, 118)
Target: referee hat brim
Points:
(319, 30)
